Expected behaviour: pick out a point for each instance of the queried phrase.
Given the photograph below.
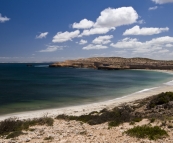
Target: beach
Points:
(72, 131)
(86, 109)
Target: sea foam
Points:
(169, 83)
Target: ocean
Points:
(39, 87)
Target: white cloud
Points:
(140, 47)
(66, 36)
(83, 24)
(111, 17)
(82, 42)
(169, 45)
(127, 43)
(141, 21)
(153, 8)
(52, 48)
(102, 39)
(97, 30)
(3, 19)
(108, 20)
(144, 31)
(42, 35)
(162, 1)
(163, 51)
(96, 47)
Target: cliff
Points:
(116, 63)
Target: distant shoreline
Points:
(85, 109)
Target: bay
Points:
(38, 87)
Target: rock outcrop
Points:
(116, 63)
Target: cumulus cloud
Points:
(66, 36)
(144, 31)
(153, 8)
(169, 45)
(111, 17)
(96, 47)
(83, 24)
(102, 39)
(143, 47)
(141, 21)
(82, 42)
(42, 35)
(97, 30)
(52, 48)
(3, 19)
(108, 20)
(162, 1)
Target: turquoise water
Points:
(25, 88)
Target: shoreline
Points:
(87, 108)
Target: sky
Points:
(58, 30)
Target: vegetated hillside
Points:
(149, 118)
(114, 63)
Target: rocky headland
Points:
(116, 63)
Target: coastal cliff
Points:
(116, 63)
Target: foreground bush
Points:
(152, 133)
(160, 99)
(13, 127)
(115, 116)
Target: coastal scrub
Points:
(145, 131)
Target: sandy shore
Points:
(85, 109)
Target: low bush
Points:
(117, 115)
(153, 133)
(137, 119)
(48, 138)
(161, 99)
(13, 127)
(14, 134)
(152, 120)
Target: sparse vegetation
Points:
(152, 120)
(137, 119)
(12, 127)
(14, 134)
(152, 133)
(49, 138)
(160, 99)
(114, 117)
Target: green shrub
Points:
(137, 119)
(114, 123)
(14, 134)
(152, 120)
(116, 115)
(13, 127)
(152, 133)
(49, 138)
(161, 99)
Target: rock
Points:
(28, 139)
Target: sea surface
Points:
(38, 87)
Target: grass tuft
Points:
(153, 133)
(49, 138)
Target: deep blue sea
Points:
(38, 87)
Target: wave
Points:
(147, 89)
(169, 83)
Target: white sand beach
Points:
(85, 109)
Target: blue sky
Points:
(57, 30)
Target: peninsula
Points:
(116, 63)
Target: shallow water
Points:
(25, 88)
